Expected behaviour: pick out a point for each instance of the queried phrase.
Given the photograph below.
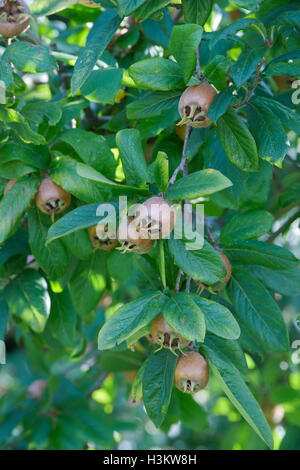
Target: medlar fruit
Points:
(51, 198)
(101, 239)
(9, 185)
(194, 103)
(191, 373)
(156, 218)
(14, 18)
(130, 239)
(163, 335)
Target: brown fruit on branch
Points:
(130, 240)
(101, 239)
(14, 18)
(191, 373)
(194, 103)
(9, 185)
(163, 335)
(156, 218)
(51, 198)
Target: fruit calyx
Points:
(155, 218)
(163, 335)
(101, 239)
(191, 373)
(51, 198)
(194, 104)
(130, 239)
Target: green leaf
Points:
(132, 156)
(36, 156)
(284, 282)
(14, 204)
(29, 57)
(62, 320)
(289, 118)
(157, 74)
(268, 131)
(184, 42)
(65, 174)
(158, 383)
(148, 8)
(88, 283)
(79, 244)
(129, 319)
(284, 68)
(153, 104)
(16, 244)
(230, 30)
(191, 413)
(42, 110)
(237, 391)
(237, 141)
(161, 171)
(258, 314)
(136, 393)
(103, 85)
(197, 11)
(263, 254)
(49, 7)
(4, 312)
(220, 104)
(246, 65)
(218, 319)
(18, 123)
(126, 7)
(6, 74)
(54, 259)
(28, 299)
(80, 218)
(246, 226)
(89, 173)
(185, 317)
(99, 36)
(229, 349)
(199, 183)
(89, 146)
(203, 265)
(114, 361)
(216, 71)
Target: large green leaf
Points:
(197, 11)
(199, 183)
(246, 226)
(82, 217)
(203, 265)
(92, 149)
(237, 141)
(288, 117)
(220, 104)
(158, 379)
(4, 312)
(149, 7)
(21, 126)
(132, 156)
(16, 244)
(153, 104)
(65, 174)
(39, 111)
(99, 36)
(28, 299)
(285, 281)
(267, 130)
(36, 156)
(263, 254)
(53, 259)
(161, 171)
(230, 30)
(229, 349)
(102, 85)
(184, 42)
(246, 65)
(126, 7)
(88, 283)
(129, 319)
(237, 391)
(258, 314)
(157, 74)
(62, 320)
(49, 7)
(185, 317)
(218, 319)
(29, 57)
(14, 204)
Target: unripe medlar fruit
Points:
(163, 335)
(101, 239)
(51, 198)
(130, 239)
(9, 185)
(194, 103)
(155, 218)
(14, 18)
(222, 283)
(191, 373)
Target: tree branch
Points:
(284, 226)
(183, 166)
(255, 83)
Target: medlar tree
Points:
(170, 105)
